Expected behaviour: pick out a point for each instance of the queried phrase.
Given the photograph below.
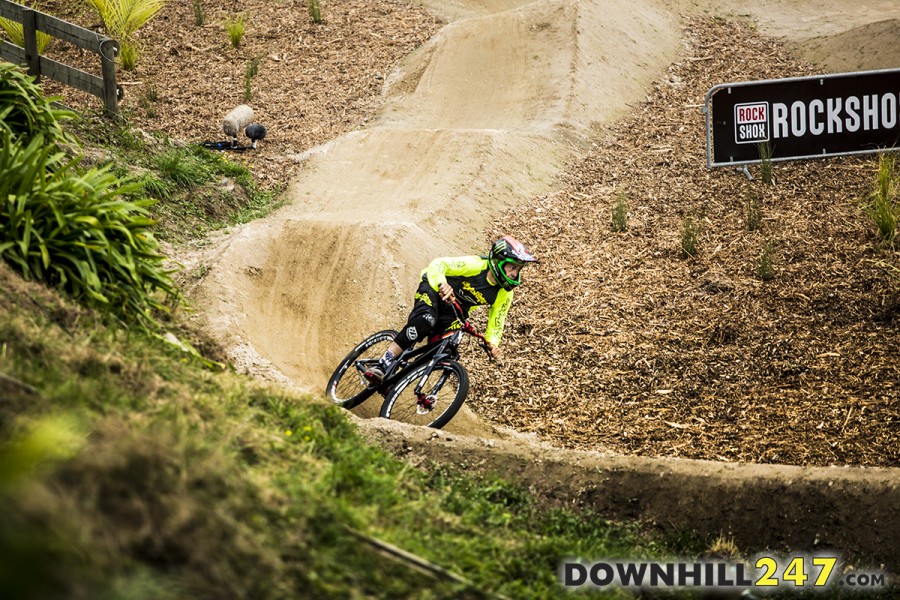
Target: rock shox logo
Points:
(751, 123)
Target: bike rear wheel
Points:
(347, 387)
(442, 395)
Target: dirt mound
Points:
(867, 47)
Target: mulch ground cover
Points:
(618, 342)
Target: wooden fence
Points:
(33, 21)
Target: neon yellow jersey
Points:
(467, 275)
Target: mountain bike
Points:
(425, 386)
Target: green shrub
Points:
(315, 10)
(24, 110)
(236, 27)
(765, 161)
(766, 267)
(73, 231)
(199, 15)
(619, 214)
(754, 211)
(249, 74)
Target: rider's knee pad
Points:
(418, 328)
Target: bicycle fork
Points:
(425, 402)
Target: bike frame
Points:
(442, 346)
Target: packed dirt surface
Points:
(531, 118)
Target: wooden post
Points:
(29, 31)
(109, 49)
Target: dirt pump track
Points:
(487, 113)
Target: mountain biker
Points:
(471, 281)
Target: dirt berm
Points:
(483, 117)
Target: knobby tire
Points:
(401, 402)
(347, 387)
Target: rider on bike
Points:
(471, 281)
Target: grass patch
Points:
(236, 27)
(882, 209)
(131, 467)
(690, 234)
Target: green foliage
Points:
(236, 27)
(619, 214)
(71, 228)
(882, 209)
(198, 484)
(74, 231)
(16, 33)
(183, 167)
(155, 187)
(690, 233)
(199, 15)
(315, 10)
(765, 156)
(754, 210)
(766, 267)
(122, 19)
(24, 110)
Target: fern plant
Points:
(122, 19)
(16, 34)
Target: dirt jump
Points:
(483, 117)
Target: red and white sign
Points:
(751, 123)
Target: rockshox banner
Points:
(803, 117)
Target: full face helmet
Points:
(508, 250)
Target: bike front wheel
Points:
(442, 395)
(347, 387)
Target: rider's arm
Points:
(454, 266)
(497, 317)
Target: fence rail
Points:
(33, 21)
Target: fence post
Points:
(29, 33)
(109, 49)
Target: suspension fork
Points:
(438, 356)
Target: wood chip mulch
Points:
(314, 82)
(617, 343)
